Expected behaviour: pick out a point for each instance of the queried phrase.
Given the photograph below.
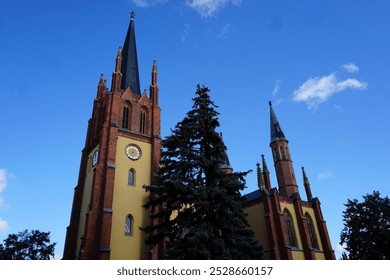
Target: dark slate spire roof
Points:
(276, 130)
(226, 163)
(129, 67)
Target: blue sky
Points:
(324, 65)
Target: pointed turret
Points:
(260, 178)
(306, 184)
(282, 159)
(267, 180)
(153, 85)
(129, 66)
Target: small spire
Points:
(306, 184)
(154, 73)
(101, 80)
(120, 51)
(264, 163)
(260, 179)
(305, 179)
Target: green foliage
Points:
(33, 245)
(366, 231)
(196, 204)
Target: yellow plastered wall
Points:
(128, 200)
(90, 171)
(257, 223)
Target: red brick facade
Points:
(104, 127)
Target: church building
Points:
(288, 227)
(122, 154)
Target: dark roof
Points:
(276, 130)
(252, 196)
(129, 67)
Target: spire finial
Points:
(132, 15)
(264, 163)
(260, 179)
(304, 175)
(270, 103)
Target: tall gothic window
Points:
(142, 126)
(131, 177)
(282, 154)
(289, 228)
(276, 154)
(125, 120)
(312, 233)
(128, 225)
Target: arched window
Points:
(289, 228)
(282, 154)
(276, 154)
(129, 225)
(312, 233)
(131, 177)
(142, 125)
(125, 120)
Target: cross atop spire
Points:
(132, 15)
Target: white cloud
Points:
(3, 225)
(3, 179)
(186, 33)
(208, 8)
(147, 3)
(276, 87)
(325, 175)
(319, 89)
(225, 31)
(350, 68)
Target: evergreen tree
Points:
(25, 245)
(198, 205)
(366, 231)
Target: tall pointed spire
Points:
(129, 67)
(282, 158)
(225, 165)
(276, 130)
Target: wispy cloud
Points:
(147, 3)
(350, 68)
(225, 31)
(3, 179)
(208, 8)
(3, 184)
(325, 175)
(185, 33)
(276, 87)
(319, 89)
(3, 225)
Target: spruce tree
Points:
(197, 206)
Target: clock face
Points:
(133, 152)
(95, 158)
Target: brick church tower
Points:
(121, 155)
(287, 226)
